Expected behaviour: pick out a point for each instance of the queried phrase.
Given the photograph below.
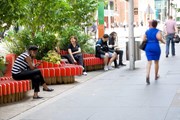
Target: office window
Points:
(111, 5)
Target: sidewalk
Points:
(119, 94)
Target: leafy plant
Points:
(19, 42)
(52, 56)
(2, 65)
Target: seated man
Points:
(102, 51)
(113, 46)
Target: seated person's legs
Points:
(120, 52)
(79, 59)
(68, 57)
(36, 78)
(112, 57)
(106, 59)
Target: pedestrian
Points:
(103, 51)
(113, 46)
(94, 29)
(74, 51)
(24, 69)
(153, 51)
(170, 31)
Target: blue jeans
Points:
(169, 39)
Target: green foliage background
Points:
(44, 20)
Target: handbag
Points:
(176, 39)
(142, 45)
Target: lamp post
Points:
(131, 34)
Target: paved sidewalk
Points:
(119, 94)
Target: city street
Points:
(119, 94)
(65, 29)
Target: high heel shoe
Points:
(157, 77)
(147, 81)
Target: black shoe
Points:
(147, 81)
(122, 64)
(37, 97)
(49, 89)
(116, 66)
(166, 56)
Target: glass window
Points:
(111, 5)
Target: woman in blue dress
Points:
(153, 51)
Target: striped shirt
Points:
(20, 64)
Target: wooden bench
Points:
(11, 90)
(59, 73)
(91, 62)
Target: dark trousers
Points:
(78, 58)
(35, 76)
(120, 53)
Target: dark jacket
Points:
(101, 48)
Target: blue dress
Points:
(153, 50)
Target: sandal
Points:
(37, 97)
(157, 77)
(48, 89)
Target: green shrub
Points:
(52, 56)
(18, 42)
(2, 66)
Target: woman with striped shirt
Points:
(24, 68)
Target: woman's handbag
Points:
(176, 39)
(142, 45)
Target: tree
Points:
(83, 11)
(43, 19)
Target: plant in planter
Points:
(2, 66)
(52, 56)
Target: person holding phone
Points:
(24, 68)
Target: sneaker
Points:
(84, 73)
(105, 68)
(110, 68)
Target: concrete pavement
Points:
(119, 94)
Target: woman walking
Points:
(153, 51)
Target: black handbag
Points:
(142, 45)
(176, 39)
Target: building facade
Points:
(116, 12)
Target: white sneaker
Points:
(84, 73)
(105, 68)
(110, 68)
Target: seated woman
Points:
(74, 51)
(113, 46)
(24, 68)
